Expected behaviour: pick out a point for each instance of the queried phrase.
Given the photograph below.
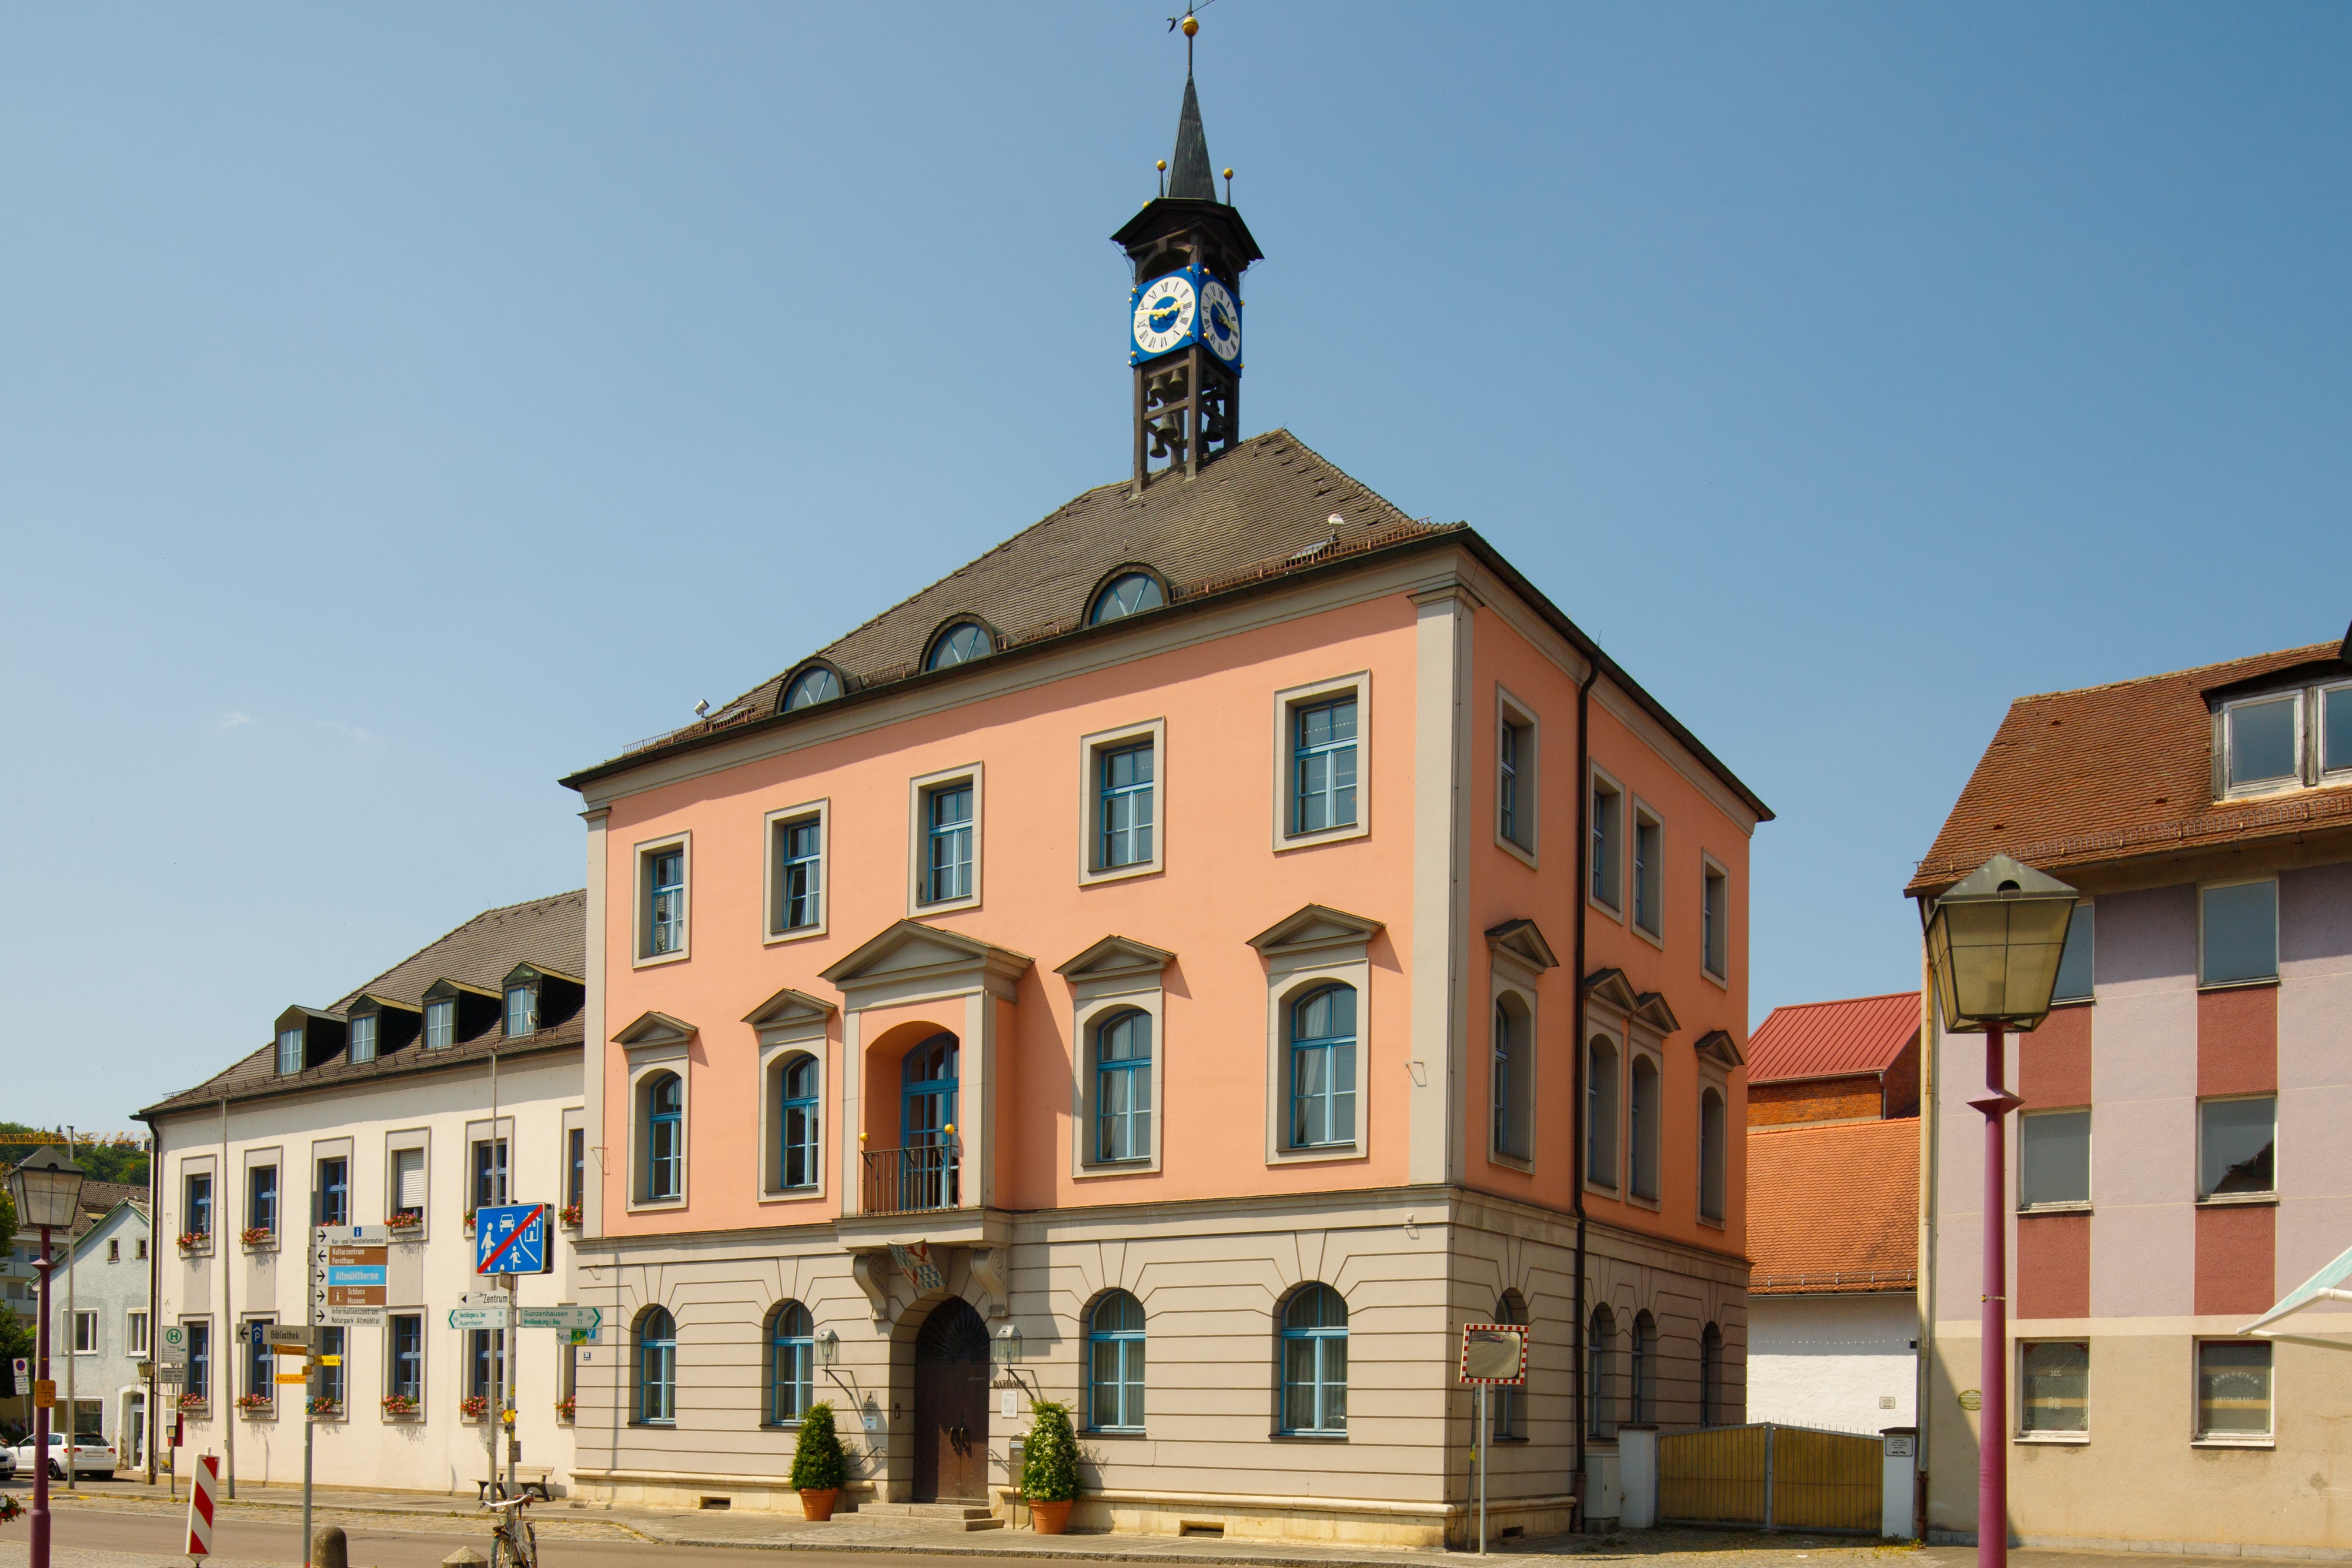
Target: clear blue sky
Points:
(401, 406)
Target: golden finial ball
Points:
(1160, 164)
(1192, 25)
(1229, 174)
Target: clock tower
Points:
(1184, 338)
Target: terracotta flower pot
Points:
(817, 1504)
(1049, 1518)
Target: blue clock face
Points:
(1221, 320)
(1166, 310)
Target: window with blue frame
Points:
(665, 902)
(1323, 766)
(1128, 594)
(1323, 1067)
(927, 1114)
(947, 866)
(792, 1362)
(331, 1368)
(200, 1205)
(522, 1011)
(960, 645)
(200, 1359)
(797, 1116)
(657, 1361)
(812, 686)
(1315, 1363)
(261, 1198)
(665, 1099)
(406, 1379)
(1125, 809)
(800, 880)
(260, 1362)
(334, 1203)
(1123, 1088)
(489, 1172)
(486, 1364)
(290, 1049)
(1115, 1364)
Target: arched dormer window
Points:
(817, 683)
(960, 645)
(1129, 593)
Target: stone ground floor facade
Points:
(2138, 1476)
(1227, 1391)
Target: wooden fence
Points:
(1771, 1477)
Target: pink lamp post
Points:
(1994, 941)
(47, 1189)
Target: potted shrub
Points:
(818, 1468)
(1049, 1471)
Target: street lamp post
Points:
(47, 1190)
(1994, 941)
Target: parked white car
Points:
(8, 1464)
(88, 1458)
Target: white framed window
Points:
(797, 838)
(1715, 920)
(196, 1203)
(1322, 761)
(2237, 1143)
(2238, 934)
(2262, 740)
(1318, 1026)
(1648, 841)
(664, 895)
(1123, 795)
(134, 1332)
(440, 1024)
(2054, 1389)
(365, 1032)
(406, 1188)
(660, 1095)
(85, 1332)
(796, 1050)
(944, 858)
(1511, 1088)
(2233, 1392)
(522, 1008)
(2053, 1167)
(1604, 1100)
(290, 1049)
(1606, 852)
(2335, 731)
(2077, 963)
(1118, 1017)
(1518, 775)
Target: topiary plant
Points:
(818, 1462)
(1049, 1472)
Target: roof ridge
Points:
(347, 998)
(1843, 1001)
(1847, 1125)
(2170, 675)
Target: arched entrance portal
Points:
(951, 1405)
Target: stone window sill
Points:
(2053, 1439)
(2240, 1200)
(2264, 1441)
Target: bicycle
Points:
(512, 1544)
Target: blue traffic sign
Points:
(510, 1238)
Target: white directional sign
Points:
(588, 1318)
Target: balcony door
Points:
(926, 1113)
(951, 1405)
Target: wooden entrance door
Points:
(951, 1405)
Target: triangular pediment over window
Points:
(787, 1008)
(1315, 926)
(1608, 987)
(1718, 1047)
(1521, 940)
(1116, 958)
(525, 974)
(1651, 1012)
(655, 1029)
(910, 950)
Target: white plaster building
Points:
(99, 1329)
(379, 1110)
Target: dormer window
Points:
(2264, 736)
(961, 644)
(365, 1036)
(1127, 594)
(441, 1023)
(522, 1009)
(2335, 730)
(810, 686)
(290, 1049)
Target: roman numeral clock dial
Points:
(1164, 314)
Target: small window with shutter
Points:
(408, 1184)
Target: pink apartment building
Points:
(1184, 963)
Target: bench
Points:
(531, 1480)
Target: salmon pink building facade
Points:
(1185, 964)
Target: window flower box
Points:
(198, 1403)
(569, 1215)
(400, 1406)
(469, 1220)
(259, 1238)
(257, 1407)
(404, 1220)
(564, 1407)
(325, 1407)
(474, 1406)
(195, 1240)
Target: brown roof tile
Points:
(1833, 1207)
(2110, 772)
(1822, 1039)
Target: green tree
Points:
(1049, 1471)
(8, 1220)
(818, 1462)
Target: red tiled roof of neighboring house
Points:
(1833, 1207)
(2109, 772)
(1827, 1039)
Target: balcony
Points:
(909, 1181)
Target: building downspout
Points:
(1576, 1057)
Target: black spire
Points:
(1189, 175)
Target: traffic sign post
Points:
(1493, 1355)
(510, 1238)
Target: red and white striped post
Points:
(202, 1480)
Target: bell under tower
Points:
(1188, 250)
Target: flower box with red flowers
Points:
(398, 1405)
(569, 1215)
(259, 1238)
(256, 1404)
(195, 1240)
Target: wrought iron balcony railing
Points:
(909, 1181)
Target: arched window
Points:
(797, 1116)
(1315, 1361)
(657, 1367)
(927, 1113)
(1601, 1097)
(1323, 1067)
(1600, 1414)
(1509, 1404)
(1642, 1176)
(1710, 1153)
(960, 645)
(665, 1102)
(1127, 593)
(1515, 1062)
(1710, 1378)
(1115, 1369)
(813, 685)
(1123, 1088)
(792, 1362)
(1641, 1386)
